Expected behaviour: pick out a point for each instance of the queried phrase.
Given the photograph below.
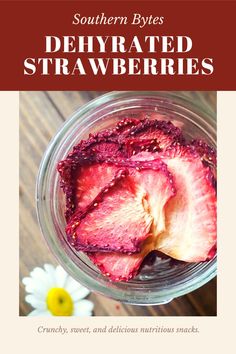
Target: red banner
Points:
(146, 45)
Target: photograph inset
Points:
(125, 200)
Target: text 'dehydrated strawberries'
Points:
(140, 187)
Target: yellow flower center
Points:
(59, 302)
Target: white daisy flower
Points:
(52, 292)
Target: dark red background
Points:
(24, 24)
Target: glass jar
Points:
(156, 283)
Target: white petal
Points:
(50, 270)
(38, 273)
(39, 313)
(72, 285)
(80, 293)
(42, 276)
(36, 288)
(61, 277)
(26, 280)
(83, 308)
(35, 302)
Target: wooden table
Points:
(41, 114)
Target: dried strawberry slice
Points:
(159, 188)
(89, 181)
(190, 233)
(83, 156)
(208, 156)
(153, 178)
(206, 152)
(97, 147)
(106, 144)
(133, 146)
(121, 267)
(102, 144)
(153, 185)
(125, 125)
(116, 220)
(164, 132)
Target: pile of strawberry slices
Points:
(136, 188)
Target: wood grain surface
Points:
(41, 115)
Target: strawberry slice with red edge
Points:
(153, 186)
(208, 156)
(152, 178)
(125, 125)
(190, 220)
(205, 151)
(116, 220)
(164, 133)
(97, 147)
(121, 267)
(89, 181)
(133, 146)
